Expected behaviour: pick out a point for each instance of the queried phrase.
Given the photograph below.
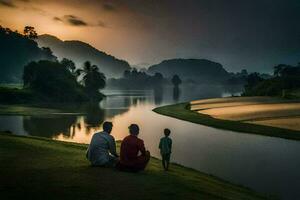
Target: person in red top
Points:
(133, 156)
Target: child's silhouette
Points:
(165, 146)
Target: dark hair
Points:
(134, 129)
(167, 132)
(107, 126)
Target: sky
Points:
(240, 34)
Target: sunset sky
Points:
(252, 34)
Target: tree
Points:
(69, 64)
(278, 69)
(93, 79)
(176, 80)
(30, 33)
(47, 51)
(253, 79)
(52, 82)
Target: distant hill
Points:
(80, 52)
(17, 51)
(199, 70)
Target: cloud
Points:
(57, 19)
(7, 3)
(74, 21)
(71, 20)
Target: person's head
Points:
(167, 132)
(107, 127)
(134, 129)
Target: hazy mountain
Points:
(16, 51)
(200, 70)
(80, 52)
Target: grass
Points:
(12, 85)
(25, 110)
(42, 109)
(294, 93)
(40, 168)
(182, 111)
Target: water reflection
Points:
(79, 132)
(176, 93)
(94, 115)
(158, 95)
(48, 126)
(263, 163)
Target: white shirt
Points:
(101, 146)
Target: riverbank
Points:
(35, 168)
(206, 112)
(47, 109)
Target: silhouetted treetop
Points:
(286, 80)
(136, 79)
(30, 33)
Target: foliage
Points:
(69, 64)
(134, 79)
(16, 51)
(30, 33)
(286, 78)
(15, 95)
(93, 80)
(53, 81)
(49, 82)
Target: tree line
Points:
(138, 79)
(285, 81)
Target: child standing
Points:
(165, 146)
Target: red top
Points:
(130, 147)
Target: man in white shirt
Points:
(102, 149)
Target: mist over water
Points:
(266, 164)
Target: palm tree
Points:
(93, 79)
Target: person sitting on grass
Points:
(165, 146)
(131, 147)
(102, 149)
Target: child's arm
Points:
(159, 146)
(170, 144)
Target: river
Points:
(266, 164)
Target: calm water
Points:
(265, 164)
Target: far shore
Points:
(258, 115)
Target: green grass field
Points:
(183, 111)
(38, 168)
